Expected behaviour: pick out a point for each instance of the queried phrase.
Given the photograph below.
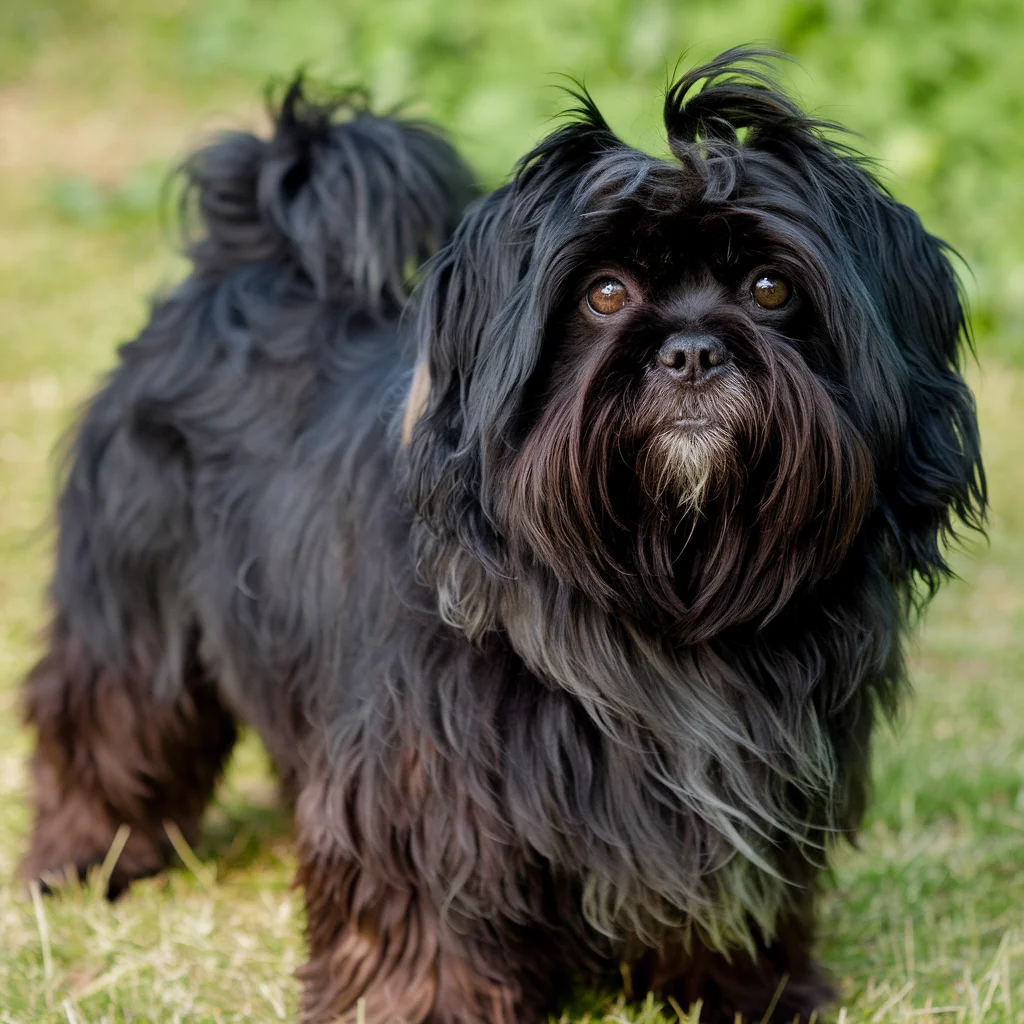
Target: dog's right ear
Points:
(469, 310)
(480, 315)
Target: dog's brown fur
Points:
(109, 752)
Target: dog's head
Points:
(691, 388)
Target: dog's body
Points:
(560, 683)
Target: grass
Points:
(925, 921)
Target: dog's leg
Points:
(384, 945)
(783, 977)
(378, 941)
(109, 752)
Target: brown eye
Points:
(771, 291)
(607, 296)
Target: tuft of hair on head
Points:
(735, 100)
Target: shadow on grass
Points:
(239, 835)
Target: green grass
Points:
(925, 921)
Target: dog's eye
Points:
(771, 291)
(607, 296)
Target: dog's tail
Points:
(353, 202)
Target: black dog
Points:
(565, 595)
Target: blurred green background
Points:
(99, 99)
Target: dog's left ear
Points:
(936, 477)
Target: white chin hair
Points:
(695, 459)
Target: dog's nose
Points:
(692, 357)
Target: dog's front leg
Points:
(780, 982)
(378, 935)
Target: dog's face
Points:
(665, 344)
(689, 389)
(684, 340)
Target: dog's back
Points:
(215, 452)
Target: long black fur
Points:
(543, 714)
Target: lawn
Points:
(925, 920)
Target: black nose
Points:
(692, 358)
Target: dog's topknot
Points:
(738, 91)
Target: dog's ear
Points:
(936, 477)
(481, 310)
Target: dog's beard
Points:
(690, 451)
(710, 505)
(694, 457)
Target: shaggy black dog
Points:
(564, 595)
